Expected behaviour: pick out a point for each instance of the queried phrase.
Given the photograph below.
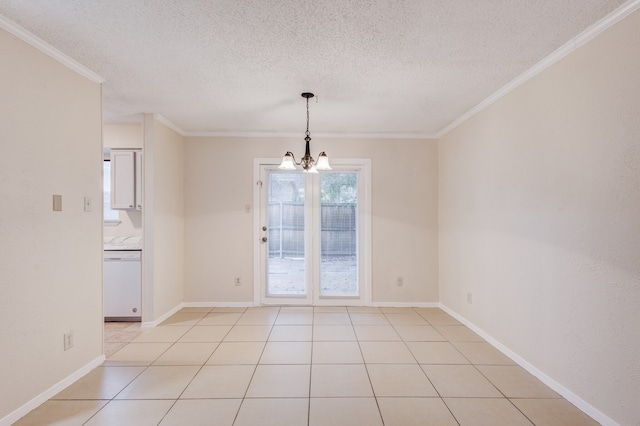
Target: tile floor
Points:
(305, 366)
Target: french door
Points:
(313, 236)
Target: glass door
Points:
(311, 237)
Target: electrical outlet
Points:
(88, 204)
(68, 340)
(399, 281)
(469, 297)
(237, 281)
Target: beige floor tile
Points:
(61, 413)
(122, 336)
(184, 318)
(295, 318)
(159, 382)
(294, 309)
(336, 353)
(436, 353)
(273, 412)
(137, 354)
(344, 412)
(331, 318)
(263, 309)
(415, 412)
(220, 381)
(131, 413)
(163, 334)
(205, 309)
(369, 319)
(486, 412)
(439, 318)
(220, 318)
(458, 333)
(419, 333)
(460, 381)
(386, 353)
(258, 317)
(228, 309)
(399, 380)
(363, 310)
(280, 381)
(187, 354)
(202, 412)
(516, 382)
(248, 333)
(397, 310)
(101, 383)
(237, 353)
(553, 412)
(286, 353)
(111, 348)
(291, 333)
(346, 380)
(332, 309)
(406, 319)
(206, 333)
(333, 333)
(376, 333)
(483, 353)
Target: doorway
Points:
(313, 239)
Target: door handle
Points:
(264, 228)
(264, 239)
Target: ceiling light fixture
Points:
(309, 165)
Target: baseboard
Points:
(405, 304)
(584, 406)
(162, 317)
(51, 392)
(218, 304)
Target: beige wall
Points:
(163, 251)
(539, 219)
(51, 262)
(219, 234)
(128, 136)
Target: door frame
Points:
(363, 166)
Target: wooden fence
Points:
(338, 229)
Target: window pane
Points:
(106, 179)
(338, 233)
(285, 223)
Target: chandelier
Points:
(309, 165)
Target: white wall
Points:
(128, 136)
(163, 211)
(51, 262)
(219, 234)
(540, 220)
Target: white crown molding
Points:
(587, 35)
(47, 49)
(162, 119)
(315, 135)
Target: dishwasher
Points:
(122, 285)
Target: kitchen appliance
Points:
(122, 285)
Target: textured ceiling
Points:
(392, 67)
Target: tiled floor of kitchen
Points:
(305, 366)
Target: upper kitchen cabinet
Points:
(126, 179)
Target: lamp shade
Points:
(323, 162)
(287, 162)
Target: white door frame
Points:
(363, 166)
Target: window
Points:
(110, 216)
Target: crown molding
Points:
(584, 37)
(315, 135)
(47, 49)
(164, 120)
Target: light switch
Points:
(57, 203)
(88, 204)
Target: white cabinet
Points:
(126, 179)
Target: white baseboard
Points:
(406, 304)
(587, 408)
(163, 317)
(51, 392)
